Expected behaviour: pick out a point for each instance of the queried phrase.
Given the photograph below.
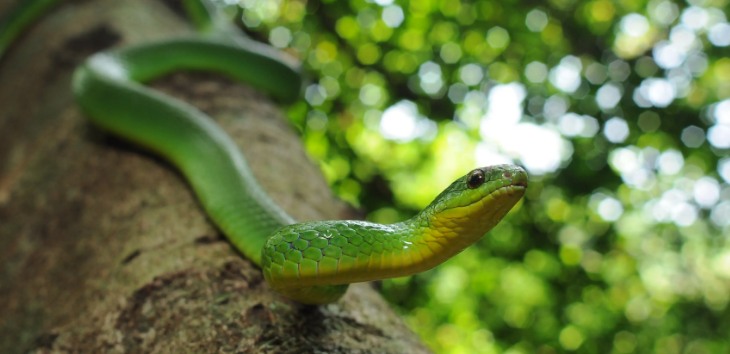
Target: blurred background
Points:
(619, 110)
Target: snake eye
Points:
(475, 179)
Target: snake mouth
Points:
(508, 190)
(522, 184)
(516, 183)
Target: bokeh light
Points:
(536, 20)
(566, 76)
(536, 72)
(616, 130)
(393, 16)
(634, 25)
(720, 35)
(608, 96)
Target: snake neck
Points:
(435, 235)
(430, 240)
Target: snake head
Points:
(479, 184)
(508, 175)
(474, 204)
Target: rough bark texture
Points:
(103, 248)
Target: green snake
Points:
(310, 262)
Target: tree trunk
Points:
(104, 248)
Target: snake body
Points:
(309, 262)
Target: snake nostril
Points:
(506, 174)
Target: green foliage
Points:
(620, 111)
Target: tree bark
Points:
(104, 248)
